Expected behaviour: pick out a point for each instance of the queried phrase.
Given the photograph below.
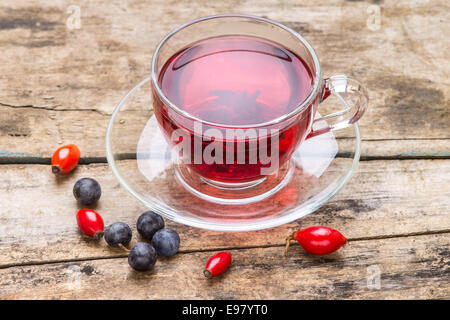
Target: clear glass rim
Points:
(300, 106)
(217, 226)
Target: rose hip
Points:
(65, 159)
(318, 240)
(90, 223)
(217, 264)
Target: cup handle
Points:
(353, 96)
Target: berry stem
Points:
(207, 273)
(289, 238)
(98, 235)
(56, 170)
(121, 246)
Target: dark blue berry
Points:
(116, 233)
(87, 191)
(148, 223)
(166, 242)
(142, 257)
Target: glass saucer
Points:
(143, 163)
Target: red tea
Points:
(237, 81)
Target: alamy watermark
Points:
(373, 277)
(373, 22)
(229, 146)
(74, 279)
(74, 20)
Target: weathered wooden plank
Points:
(408, 268)
(60, 85)
(29, 134)
(46, 66)
(50, 129)
(404, 149)
(384, 198)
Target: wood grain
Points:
(60, 85)
(409, 267)
(384, 198)
(30, 135)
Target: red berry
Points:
(90, 223)
(318, 240)
(65, 159)
(217, 264)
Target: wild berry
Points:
(65, 159)
(148, 223)
(166, 242)
(217, 264)
(87, 191)
(118, 234)
(90, 223)
(318, 240)
(142, 257)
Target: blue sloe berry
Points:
(87, 191)
(166, 242)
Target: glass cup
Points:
(254, 157)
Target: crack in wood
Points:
(46, 160)
(52, 108)
(11, 160)
(380, 237)
(406, 157)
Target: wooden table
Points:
(60, 81)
